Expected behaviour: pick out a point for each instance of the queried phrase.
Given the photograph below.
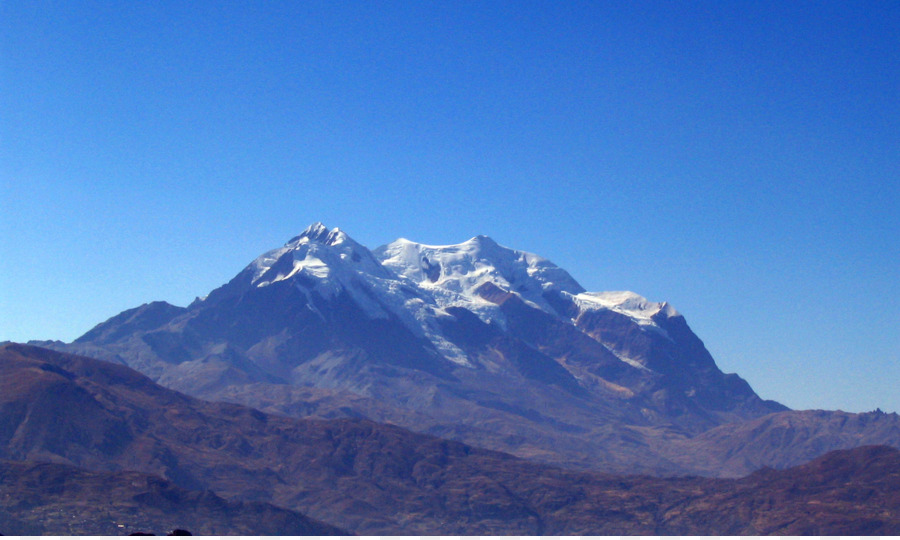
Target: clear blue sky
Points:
(738, 159)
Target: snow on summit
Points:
(317, 252)
(416, 282)
(454, 273)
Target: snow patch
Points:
(632, 305)
(625, 302)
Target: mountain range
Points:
(475, 342)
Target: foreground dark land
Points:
(96, 420)
(53, 499)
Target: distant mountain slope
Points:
(475, 341)
(787, 439)
(377, 479)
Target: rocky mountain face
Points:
(475, 342)
(90, 422)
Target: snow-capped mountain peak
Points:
(317, 232)
(317, 252)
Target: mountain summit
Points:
(473, 341)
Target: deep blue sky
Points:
(738, 159)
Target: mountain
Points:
(475, 342)
(115, 448)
